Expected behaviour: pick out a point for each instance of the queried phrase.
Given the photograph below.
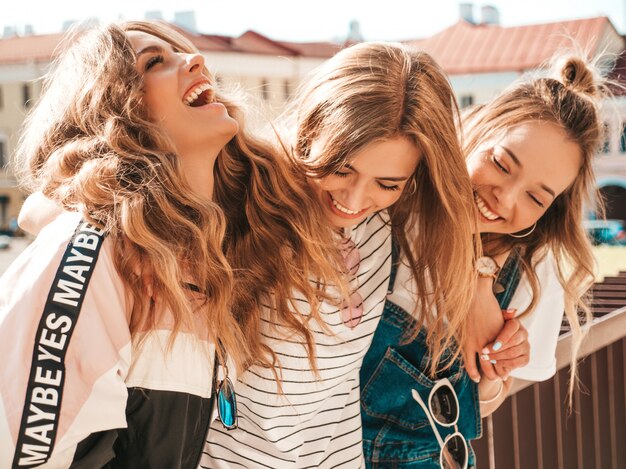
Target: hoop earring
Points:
(513, 235)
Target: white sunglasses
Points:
(443, 408)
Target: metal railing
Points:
(534, 429)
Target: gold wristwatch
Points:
(487, 267)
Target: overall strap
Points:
(395, 259)
(509, 278)
(44, 393)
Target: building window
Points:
(466, 100)
(287, 89)
(4, 205)
(622, 140)
(3, 151)
(606, 146)
(265, 89)
(26, 95)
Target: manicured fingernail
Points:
(493, 362)
(484, 357)
(497, 346)
(512, 310)
(476, 379)
(505, 378)
(485, 351)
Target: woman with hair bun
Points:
(554, 123)
(529, 155)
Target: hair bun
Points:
(578, 75)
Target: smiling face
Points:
(179, 96)
(517, 177)
(372, 180)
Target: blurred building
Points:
(480, 56)
(23, 61)
(269, 70)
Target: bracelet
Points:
(494, 398)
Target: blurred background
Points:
(269, 47)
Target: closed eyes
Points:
(499, 164)
(505, 170)
(344, 174)
(152, 61)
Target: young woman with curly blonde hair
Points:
(126, 136)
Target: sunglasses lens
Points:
(444, 406)
(352, 313)
(454, 453)
(227, 404)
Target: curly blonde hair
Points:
(90, 146)
(372, 92)
(569, 98)
(277, 242)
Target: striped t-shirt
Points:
(315, 422)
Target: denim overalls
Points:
(396, 432)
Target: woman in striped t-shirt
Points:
(376, 135)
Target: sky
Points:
(298, 20)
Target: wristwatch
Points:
(487, 267)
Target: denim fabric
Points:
(396, 432)
(509, 278)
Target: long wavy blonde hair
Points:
(276, 240)
(377, 91)
(569, 98)
(89, 145)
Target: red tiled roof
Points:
(314, 49)
(203, 42)
(469, 48)
(255, 43)
(461, 48)
(21, 49)
(18, 49)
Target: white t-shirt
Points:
(543, 324)
(317, 421)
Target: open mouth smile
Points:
(344, 211)
(199, 95)
(484, 209)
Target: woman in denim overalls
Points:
(363, 115)
(395, 430)
(529, 158)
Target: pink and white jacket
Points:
(105, 402)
